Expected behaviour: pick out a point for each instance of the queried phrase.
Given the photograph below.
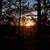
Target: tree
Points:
(0, 8)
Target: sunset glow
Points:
(30, 23)
(27, 23)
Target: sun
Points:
(27, 23)
(30, 23)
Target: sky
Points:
(32, 2)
